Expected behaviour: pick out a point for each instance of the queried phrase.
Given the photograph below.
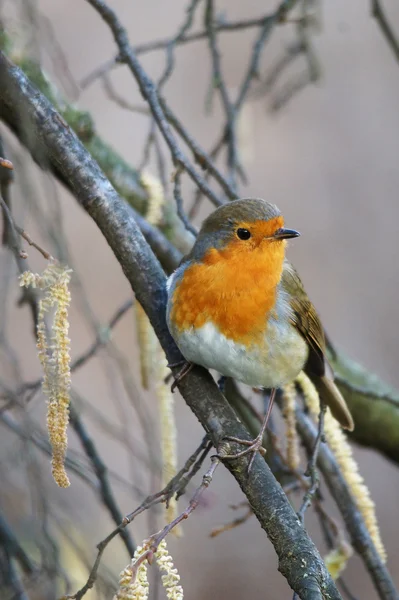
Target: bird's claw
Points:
(254, 446)
(187, 366)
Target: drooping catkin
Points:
(168, 435)
(170, 577)
(153, 362)
(146, 337)
(148, 345)
(133, 583)
(291, 436)
(53, 351)
(343, 453)
(156, 197)
(337, 559)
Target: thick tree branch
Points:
(299, 560)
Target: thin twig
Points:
(101, 472)
(311, 470)
(164, 43)
(179, 201)
(174, 41)
(14, 548)
(12, 236)
(156, 539)
(219, 83)
(163, 496)
(200, 155)
(380, 16)
(103, 336)
(99, 342)
(24, 234)
(119, 100)
(150, 93)
(267, 24)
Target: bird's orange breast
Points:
(236, 291)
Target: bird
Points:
(237, 305)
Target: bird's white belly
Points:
(272, 364)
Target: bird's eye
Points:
(243, 234)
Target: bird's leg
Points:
(186, 368)
(253, 445)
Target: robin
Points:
(236, 305)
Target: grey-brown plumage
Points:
(307, 322)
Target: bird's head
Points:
(242, 228)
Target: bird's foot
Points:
(186, 368)
(254, 446)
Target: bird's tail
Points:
(331, 395)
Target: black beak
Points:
(285, 234)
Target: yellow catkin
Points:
(170, 577)
(337, 559)
(291, 436)
(148, 345)
(55, 358)
(168, 436)
(343, 453)
(146, 337)
(156, 197)
(133, 587)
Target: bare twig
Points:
(164, 495)
(164, 43)
(101, 472)
(232, 524)
(99, 342)
(219, 83)
(149, 92)
(114, 95)
(179, 201)
(311, 470)
(386, 28)
(266, 28)
(13, 547)
(156, 539)
(174, 41)
(24, 234)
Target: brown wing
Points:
(305, 319)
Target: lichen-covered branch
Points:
(299, 560)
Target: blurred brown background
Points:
(329, 160)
